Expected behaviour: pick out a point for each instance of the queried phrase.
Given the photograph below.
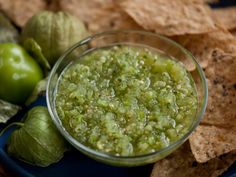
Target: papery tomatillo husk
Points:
(39, 90)
(7, 110)
(35, 51)
(54, 32)
(8, 32)
(37, 141)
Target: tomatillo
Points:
(19, 73)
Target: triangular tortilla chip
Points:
(227, 16)
(170, 18)
(222, 93)
(208, 142)
(182, 163)
(233, 32)
(211, 1)
(201, 45)
(100, 15)
(217, 131)
(85, 10)
(111, 18)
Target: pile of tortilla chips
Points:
(207, 33)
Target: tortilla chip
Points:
(85, 10)
(217, 49)
(216, 134)
(100, 15)
(53, 5)
(1, 171)
(227, 17)
(211, 1)
(221, 76)
(201, 45)
(111, 18)
(171, 17)
(4, 172)
(208, 142)
(233, 32)
(182, 163)
(19, 11)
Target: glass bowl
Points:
(142, 38)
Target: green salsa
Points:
(126, 100)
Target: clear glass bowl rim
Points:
(78, 145)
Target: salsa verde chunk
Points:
(126, 100)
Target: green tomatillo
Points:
(54, 32)
(36, 140)
(19, 73)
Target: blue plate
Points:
(74, 163)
